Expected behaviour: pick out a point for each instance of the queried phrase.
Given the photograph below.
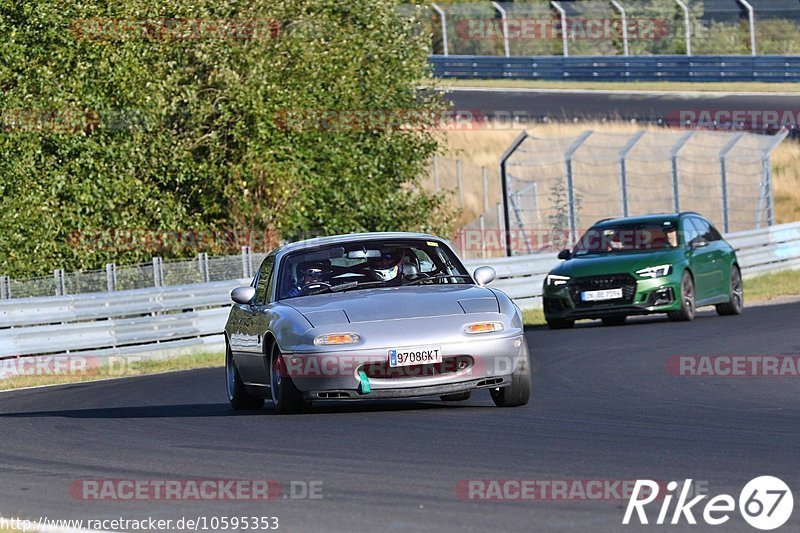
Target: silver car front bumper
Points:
(467, 365)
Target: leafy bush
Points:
(185, 134)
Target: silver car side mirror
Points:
(484, 275)
(243, 295)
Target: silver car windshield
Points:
(368, 264)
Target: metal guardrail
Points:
(157, 319)
(767, 68)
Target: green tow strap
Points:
(364, 382)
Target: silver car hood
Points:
(391, 303)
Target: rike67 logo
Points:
(765, 503)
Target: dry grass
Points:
(786, 172)
(477, 148)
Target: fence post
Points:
(676, 192)
(442, 15)
(459, 184)
(624, 16)
(752, 20)
(111, 277)
(623, 170)
(5, 288)
(158, 272)
(723, 171)
(500, 226)
(485, 173)
(688, 25)
(247, 262)
(573, 219)
(504, 19)
(58, 278)
(202, 261)
(766, 194)
(504, 184)
(564, 28)
(482, 220)
(436, 173)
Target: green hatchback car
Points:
(669, 263)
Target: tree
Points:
(131, 119)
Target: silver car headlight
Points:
(655, 272)
(554, 280)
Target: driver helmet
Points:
(388, 265)
(314, 272)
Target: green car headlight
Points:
(655, 272)
(554, 280)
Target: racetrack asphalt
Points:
(603, 408)
(643, 106)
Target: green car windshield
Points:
(636, 237)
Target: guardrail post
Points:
(442, 15)
(624, 16)
(202, 262)
(58, 278)
(504, 184)
(459, 184)
(247, 262)
(111, 277)
(723, 171)
(158, 272)
(5, 288)
(504, 19)
(573, 219)
(676, 191)
(564, 28)
(623, 171)
(436, 173)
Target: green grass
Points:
(135, 368)
(762, 87)
(533, 317)
(761, 288)
(770, 286)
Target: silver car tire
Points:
(237, 393)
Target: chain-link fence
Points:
(556, 187)
(614, 27)
(157, 273)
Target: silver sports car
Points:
(375, 315)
